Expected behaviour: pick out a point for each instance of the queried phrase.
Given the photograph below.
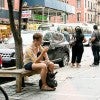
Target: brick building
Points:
(4, 17)
(86, 11)
(98, 12)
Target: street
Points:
(54, 21)
(73, 83)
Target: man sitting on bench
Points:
(33, 61)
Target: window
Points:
(91, 5)
(78, 3)
(88, 4)
(85, 3)
(91, 17)
(88, 17)
(85, 17)
(78, 17)
(13, 3)
(1, 3)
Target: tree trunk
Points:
(16, 33)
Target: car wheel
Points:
(64, 61)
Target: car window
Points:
(57, 37)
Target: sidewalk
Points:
(73, 84)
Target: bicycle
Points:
(3, 94)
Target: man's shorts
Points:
(28, 66)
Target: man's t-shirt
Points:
(96, 34)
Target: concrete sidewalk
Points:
(73, 84)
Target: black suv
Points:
(58, 48)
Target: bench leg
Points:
(23, 83)
(18, 83)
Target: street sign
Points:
(26, 14)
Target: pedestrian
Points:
(78, 48)
(36, 58)
(58, 28)
(66, 34)
(95, 45)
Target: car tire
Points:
(64, 61)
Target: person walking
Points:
(66, 34)
(36, 58)
(95, 45)
(77, 49)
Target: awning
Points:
(53, 4)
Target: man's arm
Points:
(93, 37)
(43, 53)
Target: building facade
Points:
(4, 14)
(98, 12)
(45, 11)
(86, 11)
(4, 17)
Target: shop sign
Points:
(39, 17)
(26, 14)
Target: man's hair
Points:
(37, 36)
(65, 29)
(95, 27)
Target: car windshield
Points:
(58, 37)
(53, 36)
(47, 36)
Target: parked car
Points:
(58, 48)
(87, 36)
(46, 27)
(7, 49)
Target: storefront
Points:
(47, 11)
(5, 29)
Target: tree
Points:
(16, 31)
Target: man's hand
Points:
(45, 49)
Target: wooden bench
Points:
(19, 74)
